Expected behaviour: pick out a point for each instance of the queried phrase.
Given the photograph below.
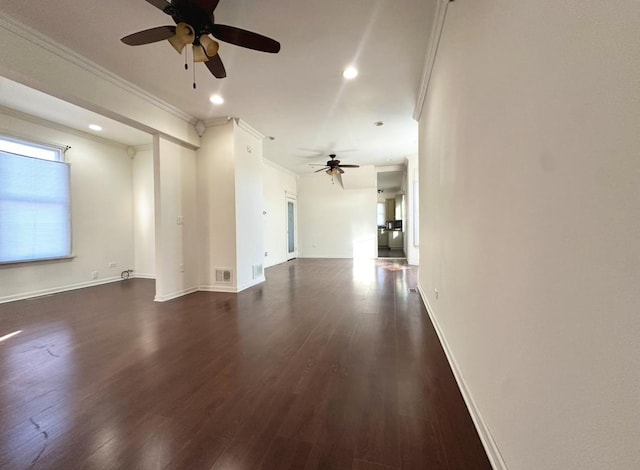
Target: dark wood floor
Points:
(331, 364)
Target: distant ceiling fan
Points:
(333, 166)
(195, 21)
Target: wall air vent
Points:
(257, 271)
(223, 275)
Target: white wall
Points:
(143, 213)
(277, 183)
(216, 205)
(177, 257)
(412, 251)
(530, 195)
(249, 224)
(335, 222)
(102, 228)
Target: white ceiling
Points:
(35, 103)
(297, 96)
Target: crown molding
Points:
(245, 126)
(432, 52)
(55, 126)
(217, 121)
(388, 168)
(37, 38)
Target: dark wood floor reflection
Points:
(330, 364)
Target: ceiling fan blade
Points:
(207, 5)
(340, 170)
(216, 67)
(244, 38)
(161, 4)
(159, 33)
(322, 169)
(349, 166)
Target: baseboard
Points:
(176, 294)
(143, 275)
(56, 290)
(218, 288)
(232, 289)
(490, 446)
(251, 283)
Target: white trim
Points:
(143, 276)
(232, 289)
(218, 288)
(33, 36)
(247, 127)
(388, 168)
(251, 283)
(218, 121)
(490, 446)
(288, 197)
(175, 294)
(56, 290)
(432, 52)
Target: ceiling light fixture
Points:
(350, 72)
(95, 127)
(378, 123)
(216, 99)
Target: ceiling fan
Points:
(195, 21)
(333, 166)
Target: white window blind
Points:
(35, 216)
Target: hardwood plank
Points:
(329, 364)
(362, 465)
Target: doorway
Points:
(391, 211)
(292, 242)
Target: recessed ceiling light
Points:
(350, 73)
(216, 99)
(378, 123)
(388, 159)
(271, 137)
(95, 127)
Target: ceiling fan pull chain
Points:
(194, 72)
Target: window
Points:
(381, 218)
(35, 212)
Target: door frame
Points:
(291, 198)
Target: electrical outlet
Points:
(181, 268)
(436, 292)
(180, 220)
(266, 253)
(94, 275)
(112, 264)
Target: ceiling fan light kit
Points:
(195, 21)
(333, 167)
(184, 36)
(208, 48)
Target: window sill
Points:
(10, 264)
